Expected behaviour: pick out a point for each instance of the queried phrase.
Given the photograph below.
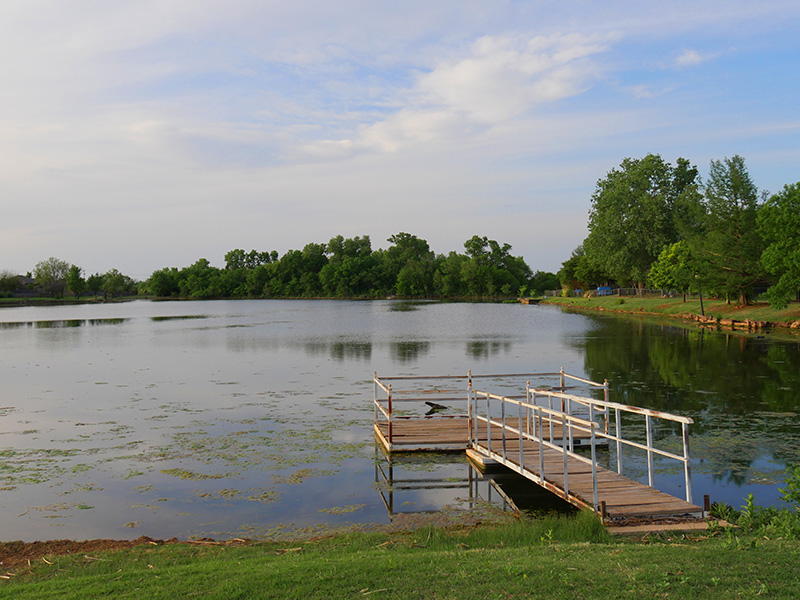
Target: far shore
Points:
(714, 312)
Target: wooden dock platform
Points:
(442, 434)
(543, 436)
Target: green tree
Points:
(728, 247)
(239, 259)
(491, 270)
(779, 224)
(51, 275)
(9, 281)
(635, 214)
(114, 284)
(407, 266)
(447, 281)
(94, 283)
(350, 270)
(578, 272)
(543, 281)
(75, 281)
(675, 269)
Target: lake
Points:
(253, 418)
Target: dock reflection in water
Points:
(426, 483)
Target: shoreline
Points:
(718, 315)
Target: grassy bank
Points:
(676, 307)
(551, 558)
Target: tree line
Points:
(55, 277)
(342, 268)
(350, 268)
(652, 223)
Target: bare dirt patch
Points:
(19, 555)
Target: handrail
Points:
(400, 392)
(608, 404)
(544, 417)
(539, 413)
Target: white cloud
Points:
(502, 78)
(690, 58)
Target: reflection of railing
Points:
(403, 482)
(394, 475)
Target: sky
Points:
(146, 134)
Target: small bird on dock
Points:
(435, 407)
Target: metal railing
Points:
(401, 397)
(533, 423)
(543, 411)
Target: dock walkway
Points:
(545, 436)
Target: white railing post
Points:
(619, 441)
(564, 451)
(503, 421)
(687, 465)
(594, 471)
(488, 425)
(473, 425)
(389, 402)
(571, 427)
(649, 425)
(519, 432)
(541, 450)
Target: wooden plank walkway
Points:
(623, 498)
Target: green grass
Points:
(552, 558)
(673, 307)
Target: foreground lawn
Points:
(521, 560)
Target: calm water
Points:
(249, 418)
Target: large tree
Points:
(51, 275)
(728, 247)
(636, 211)
(779, 224)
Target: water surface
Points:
(249, 418)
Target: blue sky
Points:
(151, 133)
